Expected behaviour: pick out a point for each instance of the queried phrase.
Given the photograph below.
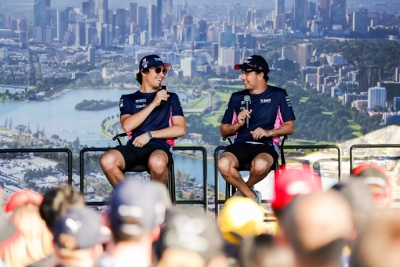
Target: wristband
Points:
(150, 135)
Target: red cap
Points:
(292, 182)
(22, 197)
(373, 173)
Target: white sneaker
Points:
(258, 197)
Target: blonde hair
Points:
(35, 241)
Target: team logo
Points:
(263, 101)
(288, 102)
(144, 63)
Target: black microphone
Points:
(247, 107)
(163, 87)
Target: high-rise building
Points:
(39, 13)
(280, 15)
(229, 56)
(142, 17)
(397, 74)
(304, 53)
(289, 52)
(120, 24)
(155, 23)
(299, 15)
(61, 24)
(396, 103)
(90, 34)
(214, 51)
(376, 97)
(360, 22)
(324, 12)
(91, 55)
(88, 8)
(80, 34)
(188, 66)
(392, 88)
(369, 76)
(338, 15)
(133, 10)
(102, 12)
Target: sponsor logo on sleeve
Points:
(288, 101)
(121, 103)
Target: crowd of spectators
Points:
(350, 224)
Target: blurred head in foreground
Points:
(317, 227)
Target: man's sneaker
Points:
(258, 197)
(238, 193)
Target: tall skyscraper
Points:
(103, 14)
(155, 25)
(299, 14)
(324, 13)
(280, 15)
(141, 17)
(376, 97)
(133, 10)
(39, 13)
(88, 8)
(360, 22)
(61, 24)
(369, 76)
(120, 24)
(338, 15)
(304, 53)
(80, 35)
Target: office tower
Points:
(376, 97)
(289, 52)
(168, 7)
(311, 10)
(233, 13)
(39, 13)
(214, 51)
(304, 53)
(144, 37)
(392, 88)
(188, 67)
(202, 25)
(61, 24)
(250, 41)
(91, 55)
(120, 24)
(133, 10)
(249, 17)
(22, 25)
(323, 72)
(106, 36)
(102, 6)
(80, 34)
(23, 39)
(280, 15)
(240, 40)
(299, 15)
(338, 15)
(71, 16)
(360, 22)
(324, 11)
(396, 103)
(229, 56)
(90, 34)
(397, 74)
(155, 26)
(88, 8)
(369, 76)
(142, 17)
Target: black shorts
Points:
(134, 156)
(246, 152)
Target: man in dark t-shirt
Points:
(152, 118)
(257, 116)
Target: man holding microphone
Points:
(257, 116)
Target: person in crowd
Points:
(257, 116)
(136, 212)
(78, 238)
(189, 238)
(379, 245)
(375, 176)
(33, 246)
(291, 181)
(262, 251)
(152, 118)
(57, 201)
(317, 227)
(240, 217)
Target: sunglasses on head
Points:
(158, 70)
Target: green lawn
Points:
(327, 113)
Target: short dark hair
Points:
(139, 76)
(266, 77)
(57, 201)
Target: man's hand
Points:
(242, 117)
(161, 95)
(141, 140)
(260, 133)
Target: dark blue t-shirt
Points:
(269, 110)
(159, 118)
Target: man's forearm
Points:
(229, 129)
(285, 129)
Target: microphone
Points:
(247, 107)
(163, 87)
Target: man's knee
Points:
(109, 160)
(158, 161)
(226, 162)
(262, 164)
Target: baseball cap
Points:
(20, 198)
(153, 61)
(80, 228)
(190, 229)
(292, 182)
(240, 217)
(137, 206)
(253, 63)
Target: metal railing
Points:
(371, 146)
